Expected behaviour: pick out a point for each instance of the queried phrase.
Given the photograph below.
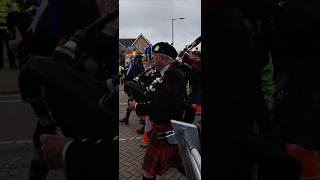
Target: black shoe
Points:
(145, 178)
(141, 130)
(143, 145)
(142, 122)
(124, 120)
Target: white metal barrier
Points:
(187, 139)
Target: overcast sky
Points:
(152, 18)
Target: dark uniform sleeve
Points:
(164, 102)
(87, 159)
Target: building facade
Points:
(131, 47)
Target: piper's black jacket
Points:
(165, 101)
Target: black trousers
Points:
(4, 38)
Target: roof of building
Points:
(127, 42)
(130, 41)
(143, 38)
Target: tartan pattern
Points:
(160, 156)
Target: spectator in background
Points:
(135, 68)
(195, 80)
(6, 7)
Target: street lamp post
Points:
(172, 42)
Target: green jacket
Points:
(121, 68)
(7, 6)
(268, 86)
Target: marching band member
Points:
(162, 107)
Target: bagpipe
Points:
(138, 87)
(57, 76)
(145, 83)
(67, 99)
(184, 59)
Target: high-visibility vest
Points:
(7, 6)
(120, 69)
(268, 86)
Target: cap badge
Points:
(157, 48)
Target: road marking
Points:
(132, 138)
(30, 141)
(11, 101)
(10, 95)
(27, 141)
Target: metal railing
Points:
(189, 153)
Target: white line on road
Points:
(11, 95)
(27, 141)
(11, 101)
(132, 138)
(16, 142)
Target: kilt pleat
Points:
(160, 156)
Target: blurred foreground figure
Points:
(77, 103)
(236, 98)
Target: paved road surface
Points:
(16, 128)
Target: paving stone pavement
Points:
(14, 162)
(13, 159)
(130, 153)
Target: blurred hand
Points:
(193, 60)
(91, 66)
(13, 45)
(190, 58)
(132, 105)
(52, 147)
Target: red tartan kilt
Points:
(160, 156)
